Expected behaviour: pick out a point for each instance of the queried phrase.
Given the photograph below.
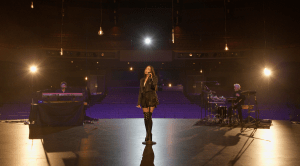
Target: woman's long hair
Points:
(153, 74)
(152, 71)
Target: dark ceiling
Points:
(199, 21)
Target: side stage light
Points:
(33, 69)
(267, 72)
(148, 41)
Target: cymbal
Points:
(248, 92)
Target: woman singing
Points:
(148, 98)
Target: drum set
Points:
(217, 112)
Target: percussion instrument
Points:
(247, 107)
(222, 111)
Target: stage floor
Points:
(115, 142)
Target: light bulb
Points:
(147, 40)
(267, 72)
(226, 48)
(32, 5)
(173, 37)
(33, 69)
(100, 32)
(61, 51)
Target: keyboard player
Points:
(63, 89)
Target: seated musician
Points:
(237, 103)
(63, 89)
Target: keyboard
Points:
(60, 94)
(85, 103)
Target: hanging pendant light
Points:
(62, 23)
(100, 32)
(226, 48)
(32, 5)
(173, 36)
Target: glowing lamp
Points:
(33, 69)
(267, 72)
(173, 36)
(147, 41)
(226, 48)
(100, 32)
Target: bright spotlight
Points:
(147, 41)
(33, 69)
(267, 72)
(170, 85)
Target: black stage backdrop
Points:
(60, 114)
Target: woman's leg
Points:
(146, 121)
(150, 123)
(152, 109)
(145, 109)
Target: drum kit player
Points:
(221, 116)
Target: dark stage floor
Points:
(180, 142)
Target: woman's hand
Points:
(139, 106)
(149, 75)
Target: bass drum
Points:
(222, 111)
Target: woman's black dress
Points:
(147, 94)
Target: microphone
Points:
(149, 73)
